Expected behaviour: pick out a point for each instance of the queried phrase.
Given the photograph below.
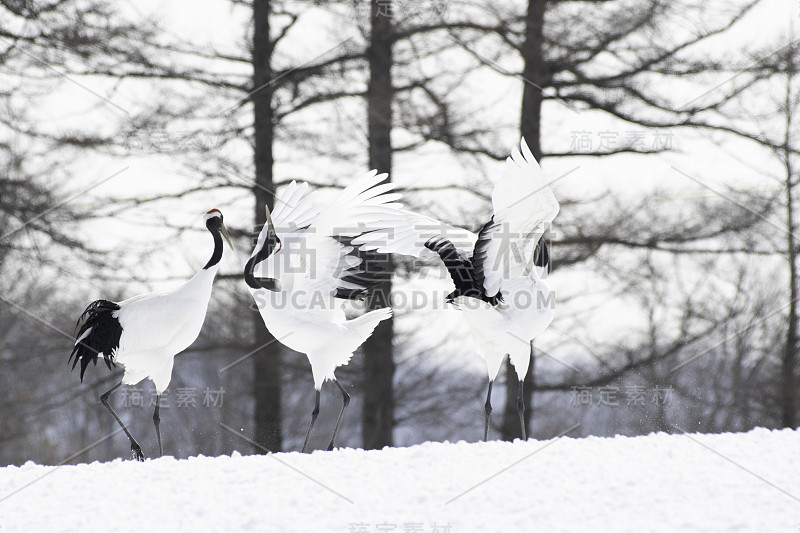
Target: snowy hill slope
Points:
(730, 482)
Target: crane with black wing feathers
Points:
(144, 333)
(499, 274)
(302, 270)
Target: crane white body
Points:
(158, 326)
(324, 334)
(509, 327)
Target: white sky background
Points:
(731, 163)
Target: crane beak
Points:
(270, 227)
(224, 232)
(269, 219)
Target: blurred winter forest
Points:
(667, 130)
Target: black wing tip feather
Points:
(102, 339)
(358, 281)
(479, 259)
(466, 277)
(541, 255)
(357, 295)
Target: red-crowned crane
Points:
(301, 271)
(500, 273)
(144, 333)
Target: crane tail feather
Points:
(98, 334)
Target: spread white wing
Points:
(524, 207)
(314, 257)
(408, 233)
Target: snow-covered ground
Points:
(730, 482)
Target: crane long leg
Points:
(345, 403)
(157, 423)
(136, 450)
(521, 410)
(314, 415)
(488, 409)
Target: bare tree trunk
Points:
(788, 384)
(267, 360)
(534, 78)
(378, 412)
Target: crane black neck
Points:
(213, 227)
